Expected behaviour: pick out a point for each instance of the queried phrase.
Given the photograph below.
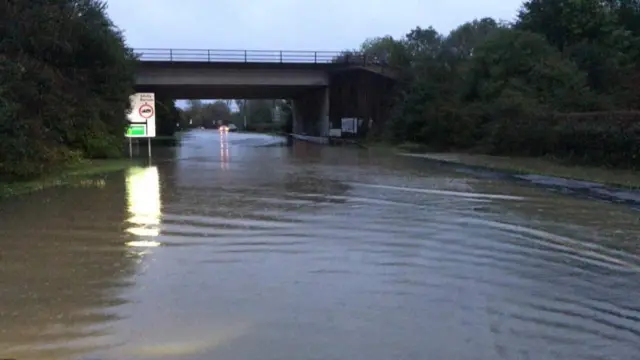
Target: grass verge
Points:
(84, 169)
(628, 179)
(540, 166)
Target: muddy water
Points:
(227, 249)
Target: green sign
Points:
(137, 131)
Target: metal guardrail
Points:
(251, 56)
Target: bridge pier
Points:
(311, 113)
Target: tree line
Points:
(560, 80)
(257, 115)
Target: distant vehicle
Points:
(226, 129)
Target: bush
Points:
(65, 80)
(103, 147)
(594, 138)
(604, 138)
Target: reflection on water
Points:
(224, 151)
(319, 253)
(144, 203)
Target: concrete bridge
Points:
(325, 86)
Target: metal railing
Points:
(250, 56)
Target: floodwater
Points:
(225, 248)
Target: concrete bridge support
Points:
(311, 113)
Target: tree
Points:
(167, 117)
(190, 115)
(566, 23)
(601, 36)
(463, 40)
(385, 50)
(241, 104)
(286, 113)
(260, 111)
(259, 114)
(428, 86)
(525, 88)
(215, 113)
(200, 114)
(627, 13)
(523, 64)
(66, 77)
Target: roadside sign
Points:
(142, 118)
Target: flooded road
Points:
(226, 248)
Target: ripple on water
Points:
(530, 284)
(435, 251)
(463, 269)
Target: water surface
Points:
(231, 248)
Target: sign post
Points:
(142, 118)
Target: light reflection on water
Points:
(144, 201)
(224, 150)
(315, 253)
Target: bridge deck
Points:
(189, 74)
(262, 59)
(226, 91)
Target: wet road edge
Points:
(580, 188)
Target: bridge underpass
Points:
(323, 87)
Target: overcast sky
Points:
(289, 24)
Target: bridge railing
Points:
(251, 56)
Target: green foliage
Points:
(201, 114)
(386, 50)
(168, 117)
(600, 36)
(103, 146)
(260, 115)
(65, 80)
(525, 68)
(257, 113)
(566, 22)
(552, 83)
(286, 107)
